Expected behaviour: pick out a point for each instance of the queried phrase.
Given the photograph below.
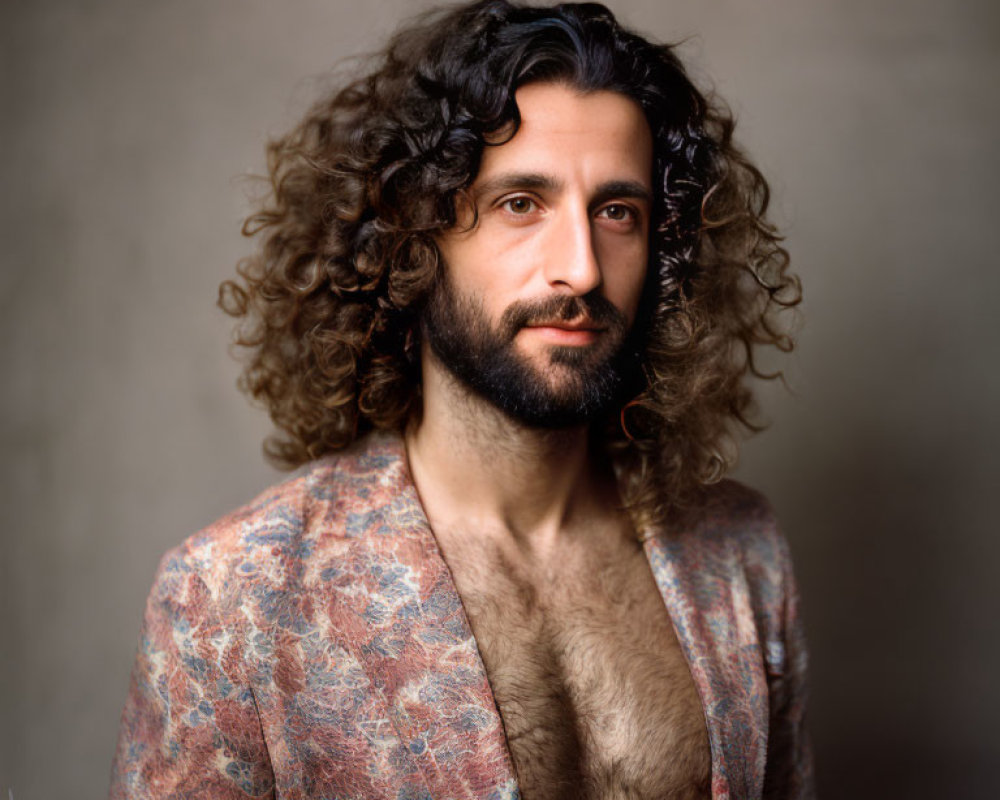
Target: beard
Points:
(574, 387)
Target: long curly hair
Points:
(359, 190)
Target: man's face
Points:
(538, 298)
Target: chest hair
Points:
(596, 697)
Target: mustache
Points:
(592, 307)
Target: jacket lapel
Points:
(703, 585)
(415, 640)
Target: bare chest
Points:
(596, 697)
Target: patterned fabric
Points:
(313, 645)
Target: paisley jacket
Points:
(313, 645)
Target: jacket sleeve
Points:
(190, 727)
(789, 771)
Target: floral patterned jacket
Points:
(313, 645)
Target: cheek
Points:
(624, 287)
(461, 260)
(489, 265)
(476, 272)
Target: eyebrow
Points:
(612, 189)
(537, 181)
(512, 181)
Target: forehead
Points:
(599, 135)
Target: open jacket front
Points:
(313, 644)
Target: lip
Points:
(567, 333)
(582, 324)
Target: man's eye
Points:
(519, 205)
(618, 212)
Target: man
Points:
(508, 292)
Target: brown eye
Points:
(617, 212)
(519, 205)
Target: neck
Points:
(476, 467)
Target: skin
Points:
(596, 698)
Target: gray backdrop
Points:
(125, 129)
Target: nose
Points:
(573, 266)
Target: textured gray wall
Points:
(125, 128)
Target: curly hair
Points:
(362, 186)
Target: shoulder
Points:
(730, 542)
(737, 518)
(261, 543)
(733, 540)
